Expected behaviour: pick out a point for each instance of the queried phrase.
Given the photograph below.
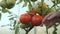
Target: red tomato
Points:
(37, 20)
(25, 18)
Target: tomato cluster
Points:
(32, 18)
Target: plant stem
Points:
(31, 7)
(46, 29)
(55, 29)
(26, 32)
(30, 28)
(42, 8)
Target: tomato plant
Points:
(29, 19)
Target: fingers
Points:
(51, 22)
(51, 19)
(52, 16)
(47, 16)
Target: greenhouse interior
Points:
(29, 16)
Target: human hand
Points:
(51, 18)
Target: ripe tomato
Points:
(36, 20)
(25, 18)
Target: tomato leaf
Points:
(11, 18)
(9, 12)
(25, 3)
(0, 16)
(4, 10)
(42, 0)
(30, 7)
(14, 24)
(17, 28)
(48, 11)
(19, 1)
(56, 1)
(55, 29)
(33, 0)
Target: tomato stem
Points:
(55, 29)
(46, 29)
(26, 32)
(42, 7)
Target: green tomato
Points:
(10, 3)
(3, 4)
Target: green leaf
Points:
(11, 18)
(4, 10)
(14, 24)
(17, 29)
(11, 29)
(25, 3)
(23, 26)
(30, 7)
(48, 11)
(42, 0)
(9, 12)
(19, 1)
(0, 16)
(54, 32)
(56, 1)
(33, 0)
(55, 29)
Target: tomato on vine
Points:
(37, 20)
(25, 18)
